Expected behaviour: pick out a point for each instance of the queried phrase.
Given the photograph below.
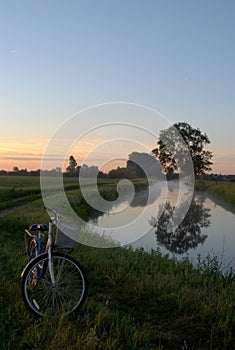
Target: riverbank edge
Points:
(222, 193)
(108, 192)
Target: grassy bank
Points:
(224, 191)
(135, 300)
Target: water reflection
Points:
(188, 234)
(146, 197)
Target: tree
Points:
(15, 169)
(71, 169)
(118, 173)
(89, 171)
(143, 165)
(174, 154)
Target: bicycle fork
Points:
(50, 261)
(51, 268)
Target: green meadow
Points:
(136, 300)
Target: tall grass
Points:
(136, 300)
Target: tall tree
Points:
(71, 169)
(174, 154)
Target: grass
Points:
(136, 300)
(222, 191)
(18, 190)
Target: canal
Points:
(207, 228)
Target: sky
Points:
(60, 57)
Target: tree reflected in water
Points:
(188, 234)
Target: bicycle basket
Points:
(66, 236)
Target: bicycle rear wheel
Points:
(31, 248)
(65, 296)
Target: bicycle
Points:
(53, 282)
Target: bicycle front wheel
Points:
(66, 295)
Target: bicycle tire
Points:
(69, 292)
(31, 248)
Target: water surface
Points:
(207, 227)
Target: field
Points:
(135, 300)
(18, 190)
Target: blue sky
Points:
(58, 57)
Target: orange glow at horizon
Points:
(24, 154)
(28, 154)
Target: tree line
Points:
(138, 165)
(169, 157)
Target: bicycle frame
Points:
(49, 245)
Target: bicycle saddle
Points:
(38, 227)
